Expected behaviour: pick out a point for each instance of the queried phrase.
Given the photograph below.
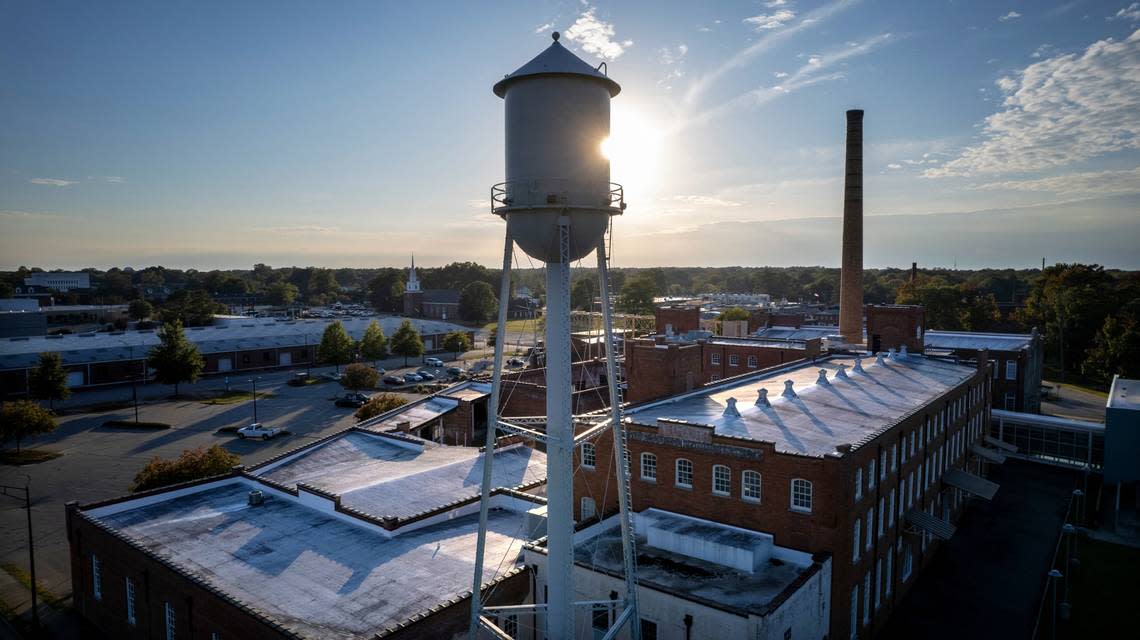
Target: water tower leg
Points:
(560, 447)
(629, 553)
(492, 432)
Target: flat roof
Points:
(22, 352)
(382, 477)
(798, 333)
(688, 577)
(317, 575)
(1124, 394)
(977, 340)
(821, 416)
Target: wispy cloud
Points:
(544, 27)
(9, 215)
(768, 40)
(704, 201)
(1092, 182)
(1131, 12)
(298, 230)
(673, 58)
(894, 166)
(53, 182)
(774, 20)
(1012, 15)
(596, 36)
(1060, 111)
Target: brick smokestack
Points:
(851, 277)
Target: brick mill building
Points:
(868, 460)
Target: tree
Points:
(193, 464)
(477, 303)
(1070, 302)
(380, 403)
(456, 342)
(407, 342)
(359, 376)
(191, 308)
(323, 287)
(281, 294)
(373, 344)
(582, 294)
(336, 347)
(48, 381)
(735, 313)
(24, 418)
(637, 295)
(1116, 348)
(140, 309)
(386, 291)
(175, 359)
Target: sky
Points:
(220, 134)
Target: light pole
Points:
(26, 489)
(254, 382)
(1053, 576)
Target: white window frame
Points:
(688, 472)
(894, 456)
(800, 495)
(890, 570)
(96, 578)
(867, 598)
(745, 485)
(589, 455)
(130, 597)
(1011, 369)
(649, 467)
(878, 583)
(593, 508)
(733, 360)
(721, 480)
(1010, 401)
(882, 509)
(714, 359)
(753, 362)
(168, 616)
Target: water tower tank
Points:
(557, 115)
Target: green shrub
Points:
(193, 464)
(380, 403)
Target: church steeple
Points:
(413, 285)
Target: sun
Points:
(635, 149)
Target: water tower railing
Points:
(553, 193)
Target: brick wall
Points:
(680, 319)
(892, 326)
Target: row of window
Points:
(801, 489)
(170, 622)
(733, 360)
(883, 581)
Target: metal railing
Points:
(503, 193)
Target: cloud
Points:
(766, 42)
(596, 36)
(54, 182)
(9, 215)
(304, 229)
(1131, 12)
(114, 179)
(771, 4)
(1012, 15)
(1043, 50)
(705, 201)
(1060, 111)
(781, 74)
(1097, 182)
(542, 28)
(671, 56)
(894, 165)
(773, 20)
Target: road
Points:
(1074, 402)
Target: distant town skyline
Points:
(217, 136)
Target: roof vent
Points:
(841, 372)
(731, 411)
(789, 392)
(892, 354)
(843, 448)
(902, 353)
(858, 368)
(256, 497)
(879, 358)
(822, 379)
(762, 398)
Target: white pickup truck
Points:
(258, 430)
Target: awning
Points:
(994, 442)
(934, 526)
(988, 454)
(970, 483)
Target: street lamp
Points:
(26, 489)
(254, 382)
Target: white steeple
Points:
(413, 285)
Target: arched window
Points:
(684, 473)
(750, 483)
(722, 480)
(649, 467)
(589, 455)
(801, 495)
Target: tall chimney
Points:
(851, 276)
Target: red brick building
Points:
(866, 461)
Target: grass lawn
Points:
(1102, 593)
(21, 576)
(27, 456)
(235, 397)
(520, 325)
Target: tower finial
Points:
(555, 35)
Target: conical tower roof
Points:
(556, 60)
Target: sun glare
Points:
(635, 148)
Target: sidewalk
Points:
(56, 623)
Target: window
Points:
(589, 455)
(870, 526)
(878, 582)
(722, 480)
(890, 570)
(684, 473)
(215, 636)
(1011, 370)
(96, 578)
(883, 464)
(801, 495)
(714, 377)
(734, 360)
(649, 467)
(648, 630)
(750, 481)
(714, 358)
(894, 456)
(169, 611)
(891, 513)
(903, 449)
(871, 475)
(854, 612)
(912, 439)
(867, 597)
(907, 563)
(130, 602)
(752, 362)
(882, 509)
(855, 546)
(1010, 402)
(601, 617)
(589, 509)
(859, 484)
(511, 625)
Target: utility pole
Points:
(254, 381)
(26, 489)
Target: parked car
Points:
(426, 375)
(393, 380)
(335, 377)
(412, 377)
(258, 430)
(356, 400)
(298, 379)
(454, 371)
(516, 362)
(433, 362)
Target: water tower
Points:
(558, 203)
